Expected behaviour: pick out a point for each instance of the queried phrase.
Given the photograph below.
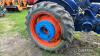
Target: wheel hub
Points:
(45, 30)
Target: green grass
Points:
(1, 28)
(97, 52)
(77, 35)
(19, 19)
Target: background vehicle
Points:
(2, 9)
(14, 5)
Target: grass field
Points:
(14, 22)
(19, 19)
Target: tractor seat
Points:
(83, 3)
(95, 6)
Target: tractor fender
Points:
(69, 5)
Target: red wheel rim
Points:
(49, 17)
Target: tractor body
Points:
(85, 13)
(31, 2)
(51, 23)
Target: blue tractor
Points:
(51, 23)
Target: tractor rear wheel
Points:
(50, 26)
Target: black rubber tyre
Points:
(62, 16)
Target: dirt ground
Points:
(12, 44)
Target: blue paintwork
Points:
(43, 26)
(83, 22)
(94, 8)
(94, 0)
